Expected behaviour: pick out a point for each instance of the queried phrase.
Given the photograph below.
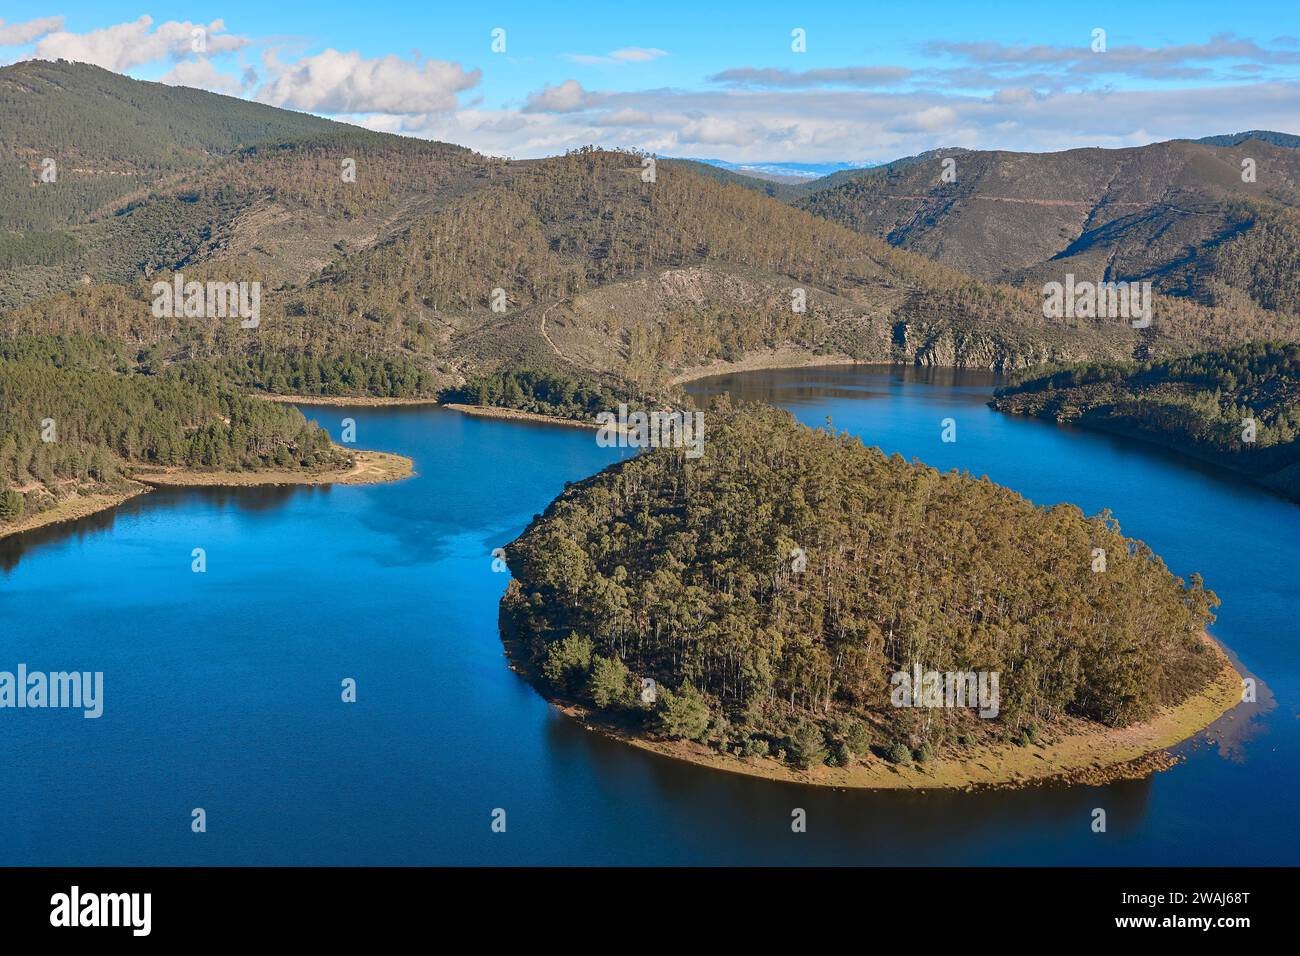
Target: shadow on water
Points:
(259, 498)
(895, 827)
(840, 381)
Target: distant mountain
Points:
(783, 189)
(795, 187)
(1181, 214)
(800, 172)
(1290, 140)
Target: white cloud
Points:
(638, 54)
(929, 120)
(125, 45)
(335, 82)
(19, 34)
(861, 125)
(568, 97)
(623, 118)
(713, 131)
(978, 95)
(627, 54)
(855, 76)
(202, 75)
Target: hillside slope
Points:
(109, 134)
(390, 265)
(1155, 212)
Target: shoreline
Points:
(73, 509)
(1079, 752)
(481, 411)
(356, 401)
(372, 467)
(1284, 482)
(762, 361)
(518, 415)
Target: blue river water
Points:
(223, 689)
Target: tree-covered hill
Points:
(154, 177)
(110, 134)
(1238, 407)
(773, 586)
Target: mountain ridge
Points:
(431, 263)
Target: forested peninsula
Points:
(1237, 407)
(775, 589)
(78, 438)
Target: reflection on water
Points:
(250, 498)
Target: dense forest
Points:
(69, 430)
(540, 391)
(1238, 406)
(774, 585)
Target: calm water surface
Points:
(223, 689)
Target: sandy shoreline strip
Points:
(482, 411)
(72, 508)
(515, 415)
(1080, 752)
(762, 360)
(354, 401)
(372, 467)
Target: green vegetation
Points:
(681, 570)
(66, 430)
(110, 134)
(1259, 255)
(536, 390)
(295, 373)
(1199, 404)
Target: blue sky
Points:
(876, 81)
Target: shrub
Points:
(11, 502)
(807, 746)
(719, 727)
(857, 738)
(567, 662)
(683, 714)
(609, 684)
(901, 754)
(841, 755)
